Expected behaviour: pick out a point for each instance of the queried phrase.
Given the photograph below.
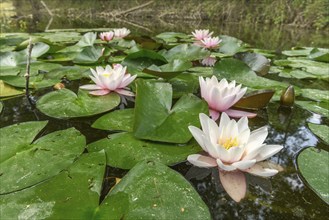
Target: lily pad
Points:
(64, 103)
(7, 90)
(183, 84)
(185, 52)
(255, 100)
(322, 131)
(319, 108)
(87, 40)
(121, 120)
(316, 94)
(319, 55)
(230, 45)
(233, 69)
(313, 165)
(256, 62)
(124, 151)
(72, 194)
(298, 51)
(88, 55)
(1, 107)
(152, 196)
(35, 82)
(156, 119)
(24, 163)
(169, 70)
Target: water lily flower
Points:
(110, 80)
(233, 149)
(221, 96)
(121, 32)
(106, 36)
(210, 42)
(201, 34)
(209, 61)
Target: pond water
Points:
(283, 196)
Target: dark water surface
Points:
(283, 196)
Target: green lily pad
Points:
(319, 108)
(121, 120)
(35, 69)
(1, 107)
(142, 59)
(157, 192)
(318, 54)
(69, 72)
(185, 52)
(316, 94)
(24, 164)
(322, 131)
(12, 59)
(298, 51)
(87, 40)
(233, 69)
(183, 84)
(88, 55)
(72, 194)
(7, 90)
(156, 120)
(201, 71)
(35, 82)
(38, 49)
(296, 73)
(169, 70)
(313, 165)
(64, 103)
(124, 151)
(172, 37)
(256, 62)
(230, 45)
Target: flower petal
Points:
(268, 151)
(214, 114)
(124, 92)
(201, 161)
(259, 170)
(224, 167)
(198, 136)
(90, 87)
(234, 184)
(100, 92)
(238, 114)
(243, 165)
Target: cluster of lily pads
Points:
(173, 78)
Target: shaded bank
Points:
(269, 24)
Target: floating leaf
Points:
(172, 37)
(88, 55)
(298, 51)
(319, 55)
(322, 109)
(313, 165)
(142, 59)
(87, 40)
(1, 107)
(38, 49)
(7, 90)
(35, 82)
(64, 103)
(322, 131)
(256, 62)
(69, 72)
(72, 194)
(156, 120)
(121, 120)
(185, 52)
(296, 73)
(157, 192)
(183, 84)
(24, 164)
(124, 151)
(316, 94)
(233, 69)
(255, 100)
(230, 45)
(169, 70)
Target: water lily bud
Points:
(287, 98)
(59, 86)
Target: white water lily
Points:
(221, 96)
(110, 80)
(121, 32)
(234, 150)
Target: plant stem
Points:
(28, 67)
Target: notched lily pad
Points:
(66, 104)
(313, 165)
(322, 131)
(24, 163)
(256, 62)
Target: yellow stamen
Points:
(107, 74)
(228, 143)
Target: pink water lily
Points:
(110, 80)
(210, 42)
(106, 36)
(233, 149)
(209, 61)
(221, 96)
(121, 32)
(201, 34)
